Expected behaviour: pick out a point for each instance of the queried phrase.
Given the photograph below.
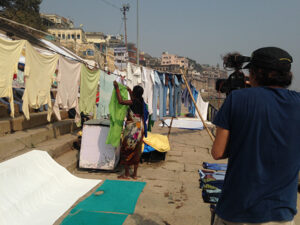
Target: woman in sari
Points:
(131, 147)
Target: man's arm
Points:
(219, 147)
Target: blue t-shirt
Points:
(264, 155)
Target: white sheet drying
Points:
(192, 124)
(35, 190)
(202, 106)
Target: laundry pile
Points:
(211, 181)
(155, 147)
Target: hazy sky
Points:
(201, 30)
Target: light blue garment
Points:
(165, 100)
(105, 89)
(176, 80)
(158, 90)
(177, 100)
(192, 108)
(215, 166)
(148, 148)
(171, 96)
(3, 101)
(156, 78)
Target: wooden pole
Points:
(191, 94)
(170, 127)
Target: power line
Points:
(120, 27)
(110, 4)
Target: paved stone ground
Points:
(172, 194)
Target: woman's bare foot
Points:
(134, 177)
(123, 177)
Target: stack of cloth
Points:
(211, 181)
(155, 142)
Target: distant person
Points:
(258, 130)
(131, 146)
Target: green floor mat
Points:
(118, 196)
(94, 218)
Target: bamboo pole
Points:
(189, 89)
(170, 127)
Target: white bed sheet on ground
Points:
(35, 190)
(185, 123)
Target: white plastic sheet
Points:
(184, 123)
(35, 190)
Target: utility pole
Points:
(137, 34)
(124, 9)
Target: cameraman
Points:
(236, 80)
(258, 130)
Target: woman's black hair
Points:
(138, 92)
(269, 77)
(138, 101)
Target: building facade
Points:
(98, 38)
(121, 57)
(56, 21)
(167, 68)
(73, 35)
(172, 59)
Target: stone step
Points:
(3, 111)
(69, 159)
(10, 125)
(20, 141)
(58, 146)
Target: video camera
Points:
(236, 80)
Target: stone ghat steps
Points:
(10, 125)
(55, 138)
(69, 159)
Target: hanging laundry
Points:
(147, 84)
(177, 94)
(202, 106)
(105, 89)
(158, 92)
(146, 117)
(88, 89)
(129, 76)
(187, 99)
(137, 75)
(150, 123)
(39, 70)
(117, 116)
(192, 107)
(68, 79)
(120, 73)
(10, 52)
(171, 86)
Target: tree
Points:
(23, 11)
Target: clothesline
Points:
(78, 60)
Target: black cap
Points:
(271, 58)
